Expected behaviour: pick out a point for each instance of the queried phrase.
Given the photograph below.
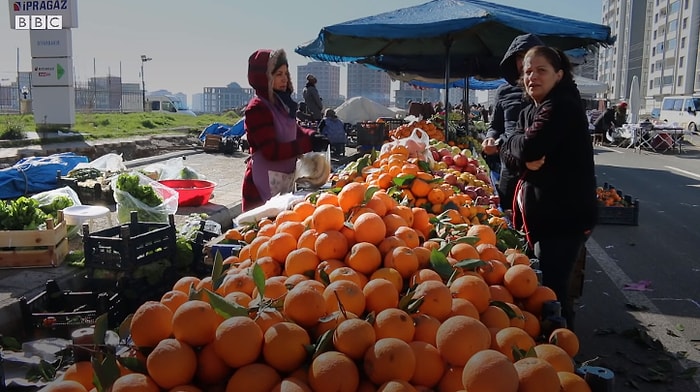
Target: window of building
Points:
(680, 80)
(653, 51)
(682, 42)
(667, 80)
(651, 84)
(654, 34)
(685, 23)
(686, 4)
(673, 25)
(674, 7)
(652, 68)
(660, 47)
(680, 62)
(656, 18)
(671, 44)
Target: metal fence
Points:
(88, 98)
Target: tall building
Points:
(220, 99)
(408, 93)
(328, 82)
(369, 83)
(197, 102)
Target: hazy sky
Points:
(201, 43)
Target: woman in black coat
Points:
(555, 200)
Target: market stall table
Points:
(656, 137)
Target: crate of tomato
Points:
(615, 207)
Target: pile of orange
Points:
(352, 300)
(405, 130)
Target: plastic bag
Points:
(417, 144)
(270, 209)
(172, 169)
(127, 203)
(110, 162)
(47, 197)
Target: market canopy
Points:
(474, 35)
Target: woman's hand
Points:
(489, 146)
(535, 165)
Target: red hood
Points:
(260, 67)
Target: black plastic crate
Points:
(94, 195)
(199, 265)
(619, 215)
(57, 313)
(370, 134)
(125, 247)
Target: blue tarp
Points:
(475, 34)
(36, 174)
(224, 130)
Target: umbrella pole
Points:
(448, 47)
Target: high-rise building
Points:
(219, 99)
(408, 93)
(369, 83)
(328, 82)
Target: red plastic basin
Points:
(192, 193)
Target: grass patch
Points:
(120, 125)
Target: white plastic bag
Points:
(127, 203)
(417, 144)
(110, 162)
(172, 169)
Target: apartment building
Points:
(219, 99)
(657, 41)
(369, 83)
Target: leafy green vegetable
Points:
(130, 184)
(58, 203)
(22, 213)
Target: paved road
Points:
(663, 249)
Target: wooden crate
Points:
(34, 248)
(212, 143)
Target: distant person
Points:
(508, 103)
(334, 129)
(275, 138)
(314, 104)
(621, 114)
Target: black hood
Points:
(521, 43)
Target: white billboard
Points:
(67, 9)
(54, 105)
(51, 43)
(53, 71)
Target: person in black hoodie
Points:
(555, 198)
(509, 102)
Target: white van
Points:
(167, 104)
(684, 110)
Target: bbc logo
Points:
(38, 22)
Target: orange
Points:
(460, 337)
(273, 289)
(347, 273)
(423, 274)
(403, 260)
(566, 339)
(294, 279)
(268, 231)
(461, 306)
(304, 306)
(369, 227)
(348, 293)
(239, 298)
(474, 289)
(244, 334)
(536, 375)
(376, 204)
(452, 379)
(519, 319)
(327, 217)
(571, 382)
(531, 324)
(173, 299)
(516, 258)
(423, 255)
(430, 367)
(463, 251)
(389, 359)
(135, 382)
(489, 370)
(81, 372)
(353, 337)
(493, 271)
(312, 284)
(392, 222)
(484, 232)
(172, 363)
(301, 261)
(256, 377)
(280, 244)
(327, 267)
(390, 274)
(151, 323)
(291, 384)
(533, 303)
(495, 317)
(520, 280)
(327, 198)
(185, 388)
(331, 321)
(420, 188)
(394, 323)
(333, 371)
(307, 239)
(304, 208)
(183, 284)
(425, 328)
(269, 266)
(195, 322)
(404, 212)
(66, 386)
(489, 252)
(364, 257)
(351, 195)
(241, 282)
(268, 317)
(331, 244)
(256, 244)
(499, 292)
(397, 386)
(211, 369)
(437, 299)
(510, 337)
(410, 236)
(284, 346)
(389, 243)
(556, 356)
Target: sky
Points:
(206, 43)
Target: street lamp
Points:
(144, 58)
